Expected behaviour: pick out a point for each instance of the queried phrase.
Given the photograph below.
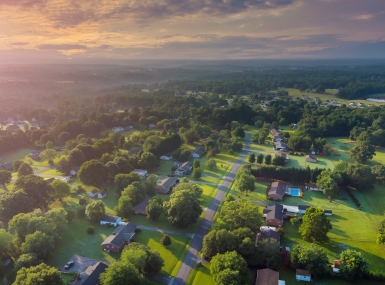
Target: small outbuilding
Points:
(310, 158)
(102, 194)
(110, 220)
(302, 275)
(328, 212)
(312, 187)
(166, 156)
(198, 152)
(302, 208)
(93, 193)
(141, 172)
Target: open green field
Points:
(200, 275)
(330, 94)
(172, 254)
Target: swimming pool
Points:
(294, 192)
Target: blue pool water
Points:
(294, 192)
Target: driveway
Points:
(81, 264)
(192, 257)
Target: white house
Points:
(117, 129)
(93, 193)
(102, 194)
(75, 170)
(152, 126)
(141, 172)
(112, 220)
(313, 187)
(166, 156)
(303, 275)
(328, 212)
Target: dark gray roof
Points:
(6, 166)
(110, 219)
(165, 184)
(92, 274)
(303, 207)
(141, 207)
(267, 277)
(169, 154)
(186, 166)
(199, 150)
(266, 234)
(274, 212)
(277, 188)
(120, 235)
(328, 211)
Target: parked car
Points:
(69, 264)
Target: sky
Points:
(42, 31)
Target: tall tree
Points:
(246, 183)
(150, 184)
(154, 209)
(38, 243)
(95, 211)
(353, 265)
(310, 257)
(37, 189)
(76, 157)
(148, 160)
(154, 262)
(41, 274)
(24, 170)
(315, 225)
(135, 192)
(268, 254)
(268, 159)
(61, 188)
(122, 272)
(252, 158)
(93, 172)
(121, 181)
(232, 261)
(326, 182)
(124, 208)
(360, 176)
(260, 158)
(5, 177)
(13, 203)
(364, 149)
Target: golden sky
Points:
(63, 30)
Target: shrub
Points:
(165, 240)
(137, 230)
(90, 230)
(82, 201)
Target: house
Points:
(140, 209)
(303, 275)
(334, 101)
(312, 187)
(75, 170)
(317, 99)
(268, 277)
(274, 215)
(6, 166)
(336, 266)
(276, 190)
(141, 172)
(35, 155)
(117, 129)
(310, 158)
(177, 163)
(275, 132)
(135, 151)
(280, 146)
(152, 126)
(184, 168)
(268, 234)
(353, 104)
(131, 127)
(305, 97)
(13, 128)
(93, 193)
(198, 152)
(91, 275)
(102, 194)
(361, 105)
(328, 212)
(110, 220)
(302, 208)
(164, 186)
(120, 237)
(166, 156)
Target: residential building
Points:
(302, 208)
(141, 172)
(91, 275)
(93, 193)
(312, 187)
(273, 215)
(165, 186)
(140, 209)
(184, 168)
(102, 194)
(111, 220)
(280, 146)
(120, 237)
(268, 277)
(166, 156)
(276, 190)
(310, 158)
(268, 234)
(302, 275)
(198, 152)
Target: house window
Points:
(108, 246)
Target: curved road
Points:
(192, 257)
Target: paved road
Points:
(192, 257)
(166, 231)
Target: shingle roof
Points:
(120, 235)
(266, 234)
(92, 272)
(141, 207)
(277, 188)
(274, 212)
(199, 150)
(186, 166)
(274, 132)
(163, 186)
(302, 272)
(303, 207)
(110, 219)
(267, 277)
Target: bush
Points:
(165, 240)
(90, 230)
(82, 201)
(79, 189)
(137, 230)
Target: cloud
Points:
(363, 17)
(22, 3)
(61, 47)
(19, 43)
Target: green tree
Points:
(148, 160)
(95, 211)
(268, 159)
(5, 243)
(360, 176)
(154, 262)
(48, 154)
(154, 209)
(252, 158)
(124, 208)
(310, 257)
(26, 260)
(268, 254)
(61, 188)
(381, 233)
(38, 190)
(39, 244)
(319, 144)
(5, 177)
(18, 225)
(64, 166)
(211, 163)
(13, 203)
(190, 187)
(24, 170)
(228, 276)
(76, 157)
(232, 261)
(123, 164)
(238, 132)
(218, 242)
(246, 183)
(93, 172)
(121, 181)
(41, 274)
(353, 265)
(378, 171)
(196, 163)
(57, 217)
(182, 209)
(197, 173)
(326, 182)
(150, 184)
(241, 214)
(165, 240)
(122, 272)
(260, 158)
(315, 225)
(136, 192)
(63, 137)
(364, 149)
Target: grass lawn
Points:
(51, 172)
(172, 254)
(201, 275)
(330, 94)
(16, 155)
(208, 194)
